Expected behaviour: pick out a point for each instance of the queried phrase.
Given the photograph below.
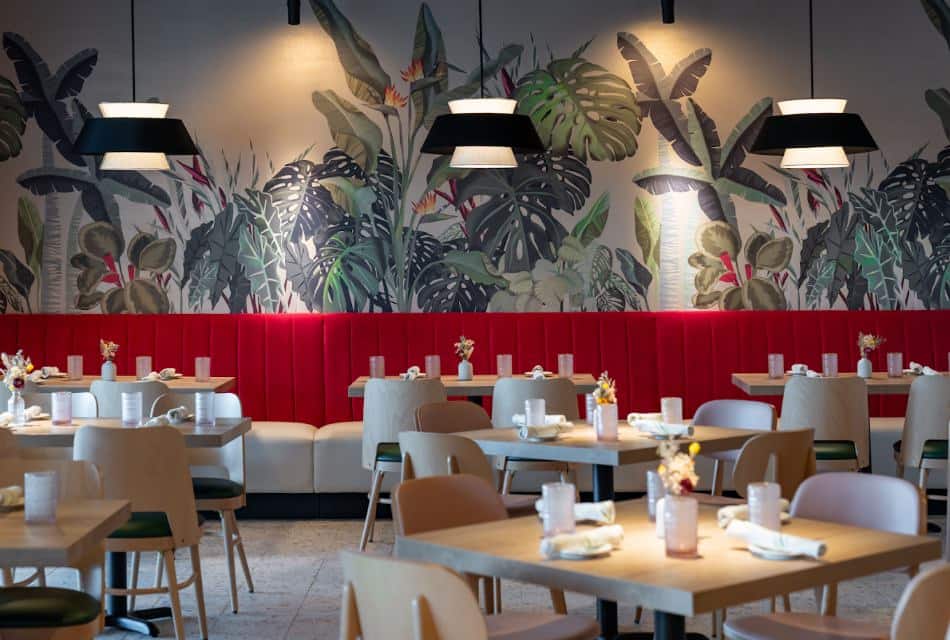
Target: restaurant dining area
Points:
(474, 320)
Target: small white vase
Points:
(16, 406)
(108, 370)
(605, 422)
(681, 526)
(465, 370)
(864, 368)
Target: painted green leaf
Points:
(571, 250)
(818, 280)
(706, 300)
(707, 277)
(114, 301)
(100, 204)
(750, 186)
(86, 301)
(774, 255)
(568, 176)
(877, 266)
(475, 265)
(839, 248)
(740, 139)
(346, 273)
(138, 242)
(914, 191)
(100, 239)
(91, 275)
(224, 245)
(703, 137)
(260, 257)
(306, 208)
(454, 291)
(928, 276)
(717, 238)
(592, 224)
(364, 75)
(637, 275)
(752, 245)
(12, 120)
(812, 247)
(732, 299)
(17, 274)
(158, 255)
(144, 296)
(429, 49)
(351, 129)
(553, 286)
(939, 102)
(700, 260)
(762, 295)
(580, 107)
(30, 231)
(662, 180)
(939, 14)
(647, 231)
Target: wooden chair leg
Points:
(558, 601)
(637, 614)
(497, 589)
(717, 478)
(506, 480)
(488, 589)
(228, 537)
(41, 577)
(239, 545)
(199, 592)
(829, 601)
(169, 558)
(371, 509)
(159, 570)
(787, 602)
(922, 480)
(714, 623)
(136, 559)
(6, 577)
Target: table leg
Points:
(603, 476)
(117, 609)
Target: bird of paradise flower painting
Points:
(372, 224)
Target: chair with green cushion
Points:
(923, 443)
(837, 409)
(49, 613)
(389, 406)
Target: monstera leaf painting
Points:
(305, 207)
(581, 108)
(914, 189)
(12, 120)
(461, 281)
(351, 129)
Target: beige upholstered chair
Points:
(452, 416)
(444, 502)
(508, 398)
(149, 467)
(389, 407)
(84, 404)
(109, 395)
(433, 603)
(922, 614)
(439, 454)
(218, 484)
(784, 457)
(923, 443)
(837, 409)
(736, 414)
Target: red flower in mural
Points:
(393, 98)
(425, 205)
(413, 72)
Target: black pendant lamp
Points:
(813, 133)
(482, 133)
(134, 135)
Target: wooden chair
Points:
(922, 614)
(923, 443)
(837, 409)
(84, 404)
(444, 502)
(433, 603)
(48, 613)
(737, 414)
(508, 398)
(225, 495)
(389, 407)
(452, 416)
(149, 467)
(109, 394)
(439, 454)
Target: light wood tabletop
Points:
(760, 384)
(579, 445)
(479, 385)
(218, 384)
(42, 433)
(80, 527)
(725, 573)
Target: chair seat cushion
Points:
(144, 524)
(805, 626)
(519, 504)
(215, 488)
(933, 449)
(540, 626)
(45, 608)
(835, 450)
(388, 452)
(279, 457)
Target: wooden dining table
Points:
(724, 574)
(480, 385)
(184, 384)
(879, 384)
(42, 433)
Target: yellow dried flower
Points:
(694, 449)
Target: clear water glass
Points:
(829, 365)
(534, 409)
(776, 365)
(672, 410)
(565, 365)
(557, 512)
(765, 509)
(655, 491)
(895, 364)
(204, 409)
(433, 366)
(377, 367)
(143, 366)
(503, 366)
(202, 369)
(131, 408)
(61, 408)
(590, 408)
(40, 496)
(74, 367)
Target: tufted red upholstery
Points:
(297, 367)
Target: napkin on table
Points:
(611, 534)
(411, 373)
(774, 540)
(546, 431)
(658, 428)
(10, 495)
(549, 420)
(537, 372)
(929, 371)
(49, 371)
(727, 514)
(656, 416)
(915, 368)
(600, 512)
(172, 416)
(5, 418)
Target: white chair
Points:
(149, 467)
(837, 409)
(923, 444)
(508, 398)
(84, 404)
(389, 407)
(109, 394)
(736, 414)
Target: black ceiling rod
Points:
(293, 12)
(666, 7)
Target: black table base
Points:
(117, 608)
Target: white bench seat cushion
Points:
(279, 457)
(337, 460)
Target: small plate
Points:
(771, 554)
(542, 438)
(40, 416)
(12, 507)
(547, 374)
(585, 553)
(911, 372)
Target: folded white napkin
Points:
(152, 376)
(10, 496)
(799, 369)
(655, 416)
(812, 374)
(6, 418)
(611, 534)
(929, 371)
(36, 376)
(774, 540)
(547, 431)
(600, 512)
(411, 373)
(537, 372)
(550, 420)
(49, 371)
(157, 421)
(741, 512)
(168, 373)
(172, 416)
(915, 368)
(658, 428)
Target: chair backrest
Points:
(389, 406)
(78, 479)
(149, 468)
(443, 502)
(862, 500)
(226, 405)
(509, 394)
(836, 408)
(791, 455)
(737, 414)
(452, 416)
(109, 394)
(430, 602)
(440, 454)
(8, 445)
(84, 404)
(922, 610)
(928, 413)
